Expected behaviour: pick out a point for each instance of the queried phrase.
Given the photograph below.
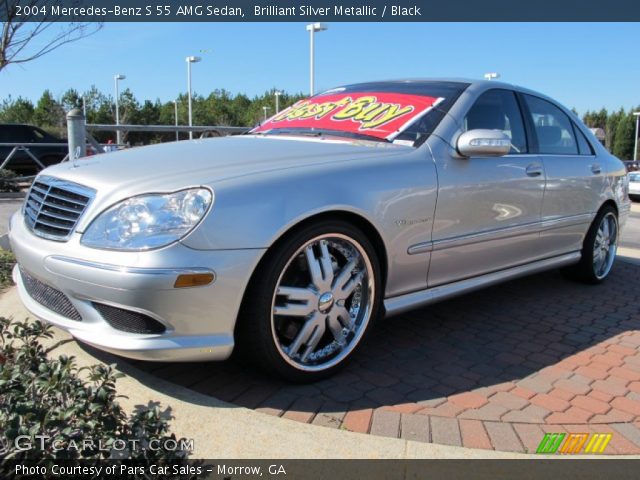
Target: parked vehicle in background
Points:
(631, 165)
(289, 242)
(29, 137)
(634, 186)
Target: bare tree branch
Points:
(31, 36)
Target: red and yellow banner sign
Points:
(377, 114)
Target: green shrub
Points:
(7, 181)
(68, 404)
(7, 261)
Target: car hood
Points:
(207, 161)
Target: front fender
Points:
(396, 196)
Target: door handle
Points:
(534, 170)
(595, 168)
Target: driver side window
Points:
(498, 110)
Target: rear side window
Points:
(553, 128)
(584, 147)
(498, 110)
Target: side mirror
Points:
(483, 143)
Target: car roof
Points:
(451, 81)
(427, 81)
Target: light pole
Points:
(264, 109)
(190, 60)
(491, 75)
(116, 79)
(175, 114)
(635, 144)
(277, 93)
(312, 28)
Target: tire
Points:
(311, 302)
(598, 250)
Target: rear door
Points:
(488, 209)
(574, 176)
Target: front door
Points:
(488, 208)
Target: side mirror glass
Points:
(483, 143)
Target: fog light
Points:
(194, 280)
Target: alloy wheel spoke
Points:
(348, 289)
(333, 322)
(605, 228)
(345, 274)
(312, 344)
(297, 294)
(599, 236)
(339, 319)
(306, 333)
(596, 251)
(293, 309)
(320, 269)
(305, 301)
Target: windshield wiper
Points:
(319, 133)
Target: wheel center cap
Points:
(325, 302)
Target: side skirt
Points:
(400, 304)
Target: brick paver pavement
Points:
(495, 369)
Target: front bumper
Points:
(198, 321)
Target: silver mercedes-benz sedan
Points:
(289, 242)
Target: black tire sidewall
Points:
(586, 263)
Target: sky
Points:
(583, 65)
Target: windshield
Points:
(634, 177)
(399, 112)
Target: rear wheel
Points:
(311, 302)
(599, 248)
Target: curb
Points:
(7, 196)
(4, 242)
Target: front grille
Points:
(127, 320)
(49, 297)
(54, 206)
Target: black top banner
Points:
(320, 11)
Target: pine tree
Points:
(624, 141)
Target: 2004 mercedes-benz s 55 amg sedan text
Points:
(288, 242)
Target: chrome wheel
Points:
(605, 245)
(322, 302)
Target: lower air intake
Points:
(49, 297)
(127, 320)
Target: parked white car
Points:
(634, 186)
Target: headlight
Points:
(148, 221)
